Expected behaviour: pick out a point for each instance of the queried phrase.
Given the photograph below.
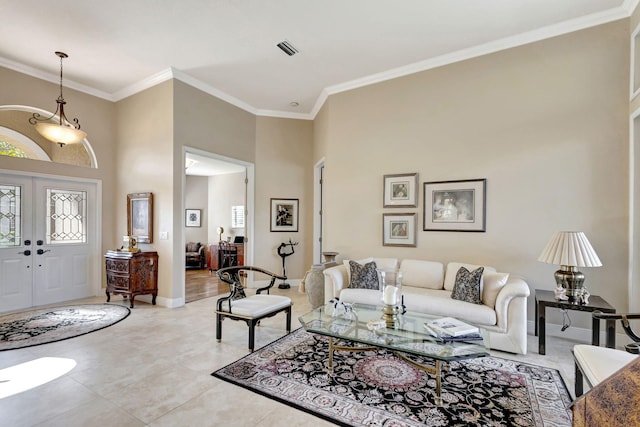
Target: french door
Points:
(47, 241)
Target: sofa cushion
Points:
(422, 274)
(492, 283)
(361, 296)
(436, 302)
(364, 276)
(467, 286)
(452, 270)
(388, 265)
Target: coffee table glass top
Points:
(408, 335)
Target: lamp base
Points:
(572, 280)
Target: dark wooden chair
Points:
(593, 363)
(228, 254)
(250, 309)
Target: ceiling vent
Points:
(287, 48)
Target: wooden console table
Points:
(131, 274)
(215, 260)
(546, 299)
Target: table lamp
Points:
(570, 249)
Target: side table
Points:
(546, 299)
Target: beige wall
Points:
(225, 191)
(284, 170)
(545, 124)
(196, 196)
(144, 159)
(210, 124)
(95, 115)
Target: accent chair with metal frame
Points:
(253, 308)
(593, 364)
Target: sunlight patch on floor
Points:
(28, 375)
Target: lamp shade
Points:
(571, 248)
(60, 133)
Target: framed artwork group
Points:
(458, 205)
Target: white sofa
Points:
(427, 289)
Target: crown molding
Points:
(149, 82)
(198, 84)
(630, 6)
(285, 114)
(480, 50)
(53, 78)
(614, 14)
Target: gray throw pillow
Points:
(467, 286)
(364, 276)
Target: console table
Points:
(131, 274)
(215, 260)
(546, 299)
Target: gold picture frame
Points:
(140, 216)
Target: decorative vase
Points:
(330, 259)
(314, 285)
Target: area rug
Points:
(376, 388)
(45, 325)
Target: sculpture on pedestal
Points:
(284, 253)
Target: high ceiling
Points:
(228, 48)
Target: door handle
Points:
(41, 251)
(25, 253)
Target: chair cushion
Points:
(258, 305)
(598, 363)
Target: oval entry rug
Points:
(46, 325)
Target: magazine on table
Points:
(448, 327)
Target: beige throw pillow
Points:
(492, 284)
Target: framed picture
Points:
(140, 216)
(192, 218)
(401, 191)
(284, 214)
(399, 229)
(455, 205)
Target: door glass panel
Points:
(66, 216)
(10, 224)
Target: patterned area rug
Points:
(42, 326)
(376, 388)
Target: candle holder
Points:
(390, 315)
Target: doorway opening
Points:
(218, 201)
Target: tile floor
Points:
(154, 369)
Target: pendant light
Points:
(63, 132)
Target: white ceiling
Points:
(207, 166)
(228, 48)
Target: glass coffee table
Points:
(350, 331)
